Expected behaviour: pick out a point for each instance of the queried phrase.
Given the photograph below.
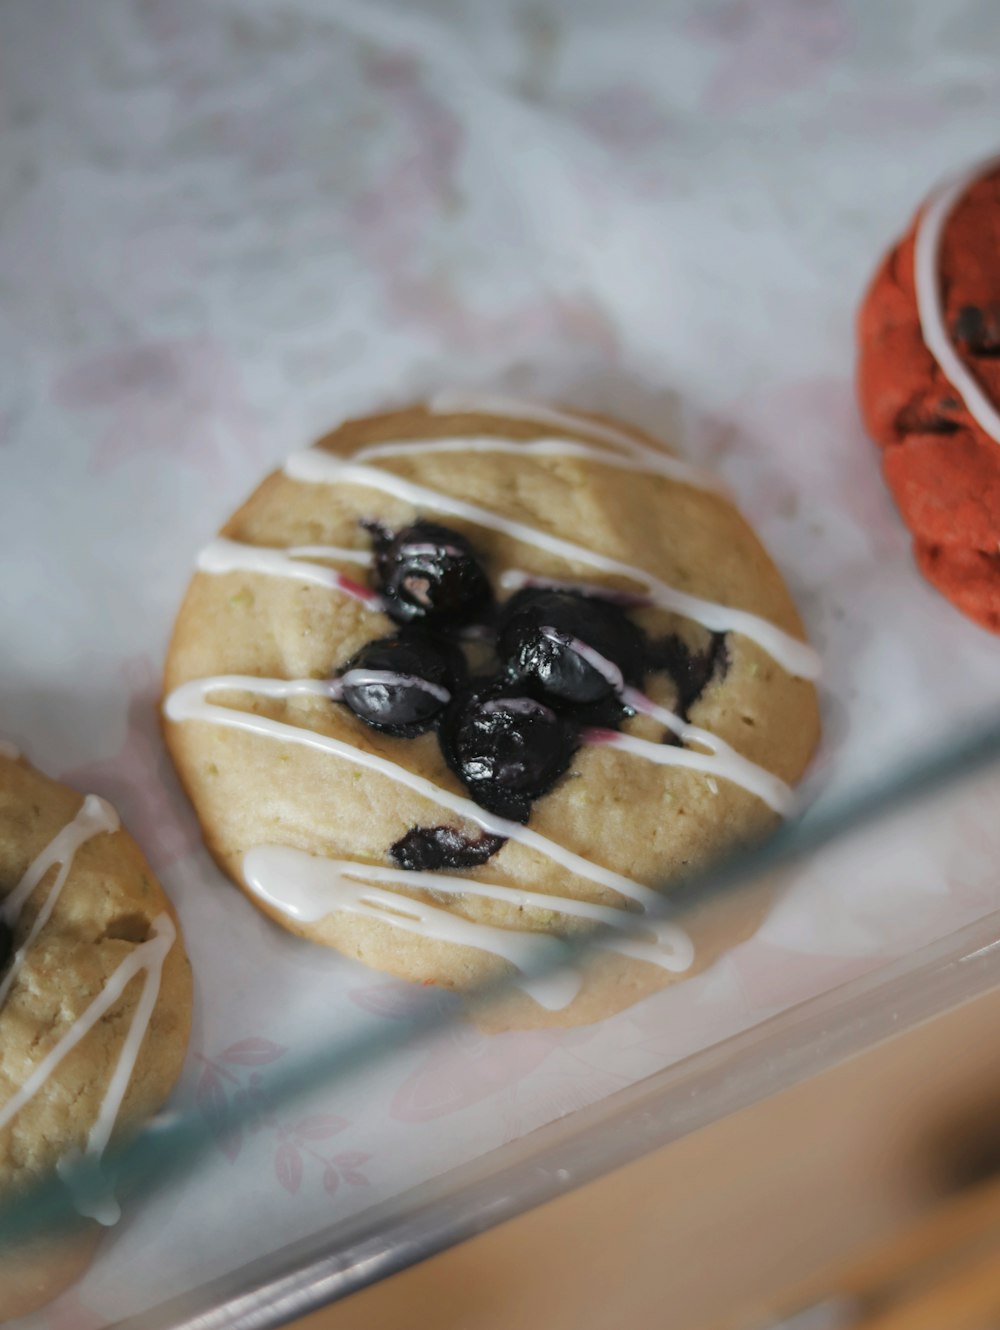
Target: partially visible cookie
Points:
(465, 679)
(929, 385)
(95, 1007)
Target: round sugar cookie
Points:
(470, 677)
(95, 1009)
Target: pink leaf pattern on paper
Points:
(467, 1068)
(351, 1159)
(183, 397)
(139, 779)
(319, 1127)
(331, 1179)
(211, 1096)
(770, 47)
(349, 1165)
(288, 1167)
(255, 1052)
(227, 1086)
(213, 1104)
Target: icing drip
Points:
(315, 466)
(308, 887)
(7, 749)
(228, 556)
(91, 1194)
(721, 760)
(644, 460)
(95, 816)
(926, 256)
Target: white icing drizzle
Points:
(731, 767)
(359, 678)
(148, 956)
(228, 556)
(94, 817)
(458, 403)
(188, 702)
(644, 460)
(91, 1194)
(307, 887)
(316, 466)
(721, 760)
(926, 264)
(7, 749)
(607, 669)
(730, 764)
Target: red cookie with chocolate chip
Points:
(929, 387)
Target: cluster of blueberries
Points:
(511, 734)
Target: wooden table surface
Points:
(736, 1221)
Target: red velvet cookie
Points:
(929, 387)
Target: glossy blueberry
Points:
(413, 677)
(535, 641)
(429, 849)
(430, 574)
(508, 749)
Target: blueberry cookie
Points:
(95, 1009)
(464, 679)
(929, 385)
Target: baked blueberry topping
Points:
(402, 684)
(569, 649)
(691, 671)
(430, 574)
(508, 749)
(429, 849)
(6, 944)
(978, 330)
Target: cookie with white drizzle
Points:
(95, 1009)
(432, 520)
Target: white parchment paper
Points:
(223, 227)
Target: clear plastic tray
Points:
(925, 801)
(228, 226)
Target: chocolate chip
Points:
(928, 417)
(428, 849)
(978, 329)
